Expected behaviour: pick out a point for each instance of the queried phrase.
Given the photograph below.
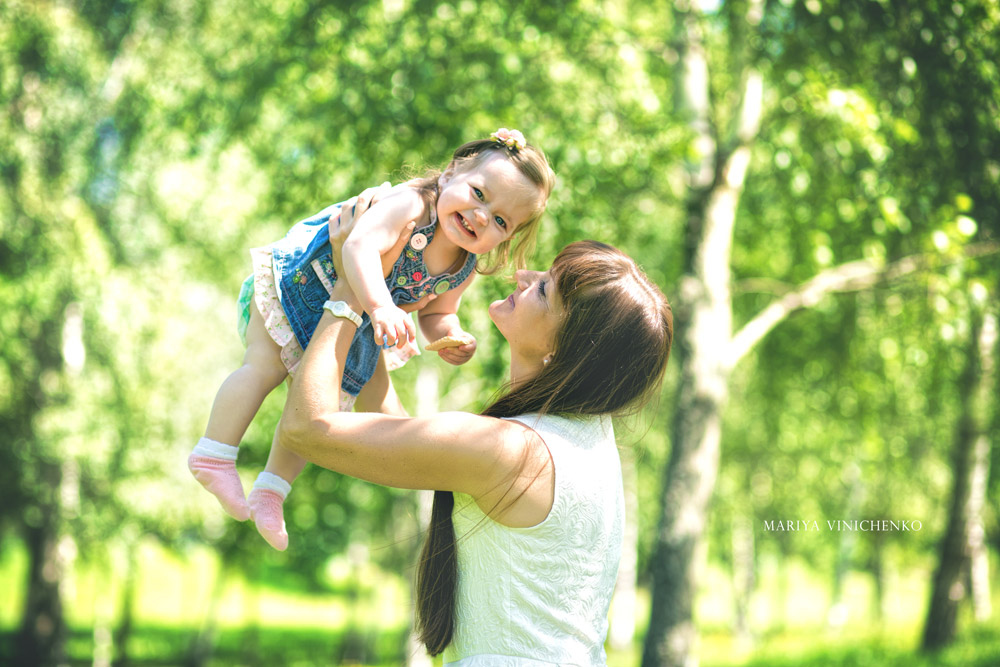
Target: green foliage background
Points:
(146, 145)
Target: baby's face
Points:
(482, 205)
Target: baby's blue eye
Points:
(500, 222)
(479, 194)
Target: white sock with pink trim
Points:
(266, 499)
(213, 464)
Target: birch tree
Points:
(970, 470)
(707, 347)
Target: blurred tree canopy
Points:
(146, 145)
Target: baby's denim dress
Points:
(303, 266)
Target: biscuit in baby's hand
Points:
(448, 341)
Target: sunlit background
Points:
(145, 146)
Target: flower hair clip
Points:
(512, 139)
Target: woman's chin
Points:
(496, 314)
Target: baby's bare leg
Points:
(268, 494)
(284, 463)
(213, 461)
(241, 395)
(379, 395)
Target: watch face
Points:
(341, 309)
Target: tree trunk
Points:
(690, 478)
(971, 456)
(704, 329)
(779, 622)
(877, 569)
(696, 430)
(743, 579)
(428, 393)
(837, 614)
(41, 639)
(979, 574)
(203, 643)
(125, 625)
(979, 578)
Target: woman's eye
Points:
(500, 222)
(541, 288)
(479, 194)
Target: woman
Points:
(525, 537)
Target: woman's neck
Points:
(522, 369)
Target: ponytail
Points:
(437, 578)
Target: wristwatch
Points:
(341, 309)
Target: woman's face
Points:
(530, 317)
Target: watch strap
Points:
(341, 309)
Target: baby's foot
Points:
(266, 500)
(213, 464)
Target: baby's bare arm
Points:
(440, 319)
(367, 248)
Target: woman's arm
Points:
(481, 456)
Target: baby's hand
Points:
(393, 324)
(461, 354)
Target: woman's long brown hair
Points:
(610, 353)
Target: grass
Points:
(155, 645)
(264, 625)
(253, 624)
(976, 647)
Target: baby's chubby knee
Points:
(263, 367)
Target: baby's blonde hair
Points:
(531, 162)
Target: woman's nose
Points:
(524, 278)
